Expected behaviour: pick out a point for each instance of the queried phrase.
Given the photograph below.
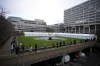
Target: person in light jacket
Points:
(30, 48)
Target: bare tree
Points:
(2, 11)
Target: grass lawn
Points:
(29, 40)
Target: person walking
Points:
(30, 48)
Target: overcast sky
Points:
(51, 11)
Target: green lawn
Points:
(29, 40)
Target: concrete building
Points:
(23, 25)
(41, 25)
(56, 27)
(83, 18)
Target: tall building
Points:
(23, 25)
(83, 18)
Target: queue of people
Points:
(17, 49)
(59, 44)
(21, 47)
(14, 47)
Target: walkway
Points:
(5, 49)
(28, 58)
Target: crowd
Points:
(21, 47)
(17, 49)
(14, 47)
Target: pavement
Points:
(5, 49)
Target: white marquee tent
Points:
(71, 35)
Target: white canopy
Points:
(71, 35)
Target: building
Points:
(57, 27)
(41, 25)
(83, 18)
(23, 25)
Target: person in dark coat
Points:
(81, 41)
(17, 50)
(60, 44)
(85, 40)
(94, 39)
(35, 47)
(74, 41)
(64, 43)
(23, 48)
(57, 45)
(53, 45)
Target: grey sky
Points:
(52, 11)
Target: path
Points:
(5, 49)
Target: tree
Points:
(2, 11)
(6, 27)
(6, 30)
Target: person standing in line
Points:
(53, 45)
(57, 45)
(17, 50)
(12, 48)
(64, 43)
(14, 43)
(60, 44)
(70, 42)
(30, 48)
(23, 48)
(20, 45)
(45, 46)
(81, 41)
(35, 48)
(74, 41)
